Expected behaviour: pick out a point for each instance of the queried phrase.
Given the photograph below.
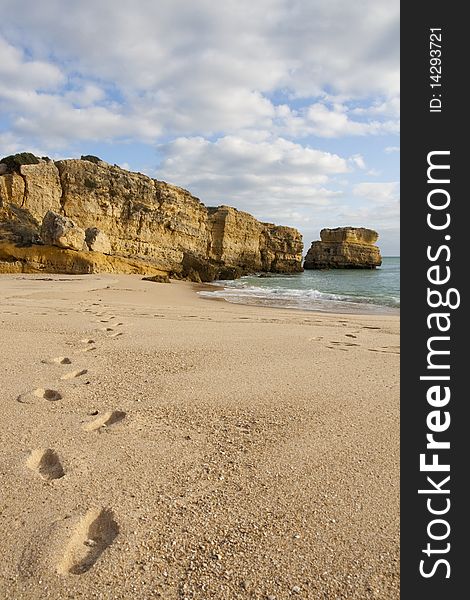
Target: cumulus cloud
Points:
(235, 96)
(259, 177)
(378, 193)
(389, 107)
(332, 121)
(18, 73)
(205, 67)
(303, 46)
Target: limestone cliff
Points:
(344, 248)
(142, 219)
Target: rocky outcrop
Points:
(143, 219)
(97, 241)
(157, 279)
(60, 231)
(51, 259)
(344, 248)
(239, 239)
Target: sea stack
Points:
(344, 248)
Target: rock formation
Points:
(60, 231)
(344, 248)
(133, 217)
(97, 241)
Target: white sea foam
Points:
(300, 299)
(330, 291)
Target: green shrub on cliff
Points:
(91, 158)
(14, 161)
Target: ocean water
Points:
(337, 290)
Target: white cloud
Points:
(204, 68)
(330, 121)
(391, 149)
(58, 121)
(85, 95)
(17, 73)
(378, 193)
(260, 177)
(12, 143)
(387, 108)
(233, 89)
(301, 45)
(358, 161)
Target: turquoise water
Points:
(338, 290)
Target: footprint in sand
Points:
(46, 394)
(344, 343)
(105, 420)
(90, 349)
(73, 374)
(46, 463)
(96, 531)
(383, 350)
(117, 334)
(106, 329)
(58, 360)
(87, 341)
(350, 335)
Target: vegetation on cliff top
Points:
(14, 161)
(91, 158)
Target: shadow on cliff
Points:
(200, 270)
(18, 226)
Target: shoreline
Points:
(222, 450)
(378, 309)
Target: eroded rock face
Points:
(143, 219)
(42, 188)
(238, 239)
(51, 259)
(60, 231)
(97, 241)
(280, 248)
(353, 235)
(344, 248)
(157, 279)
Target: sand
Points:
(160, 445)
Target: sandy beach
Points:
(156, 444)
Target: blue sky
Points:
(288, 109)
